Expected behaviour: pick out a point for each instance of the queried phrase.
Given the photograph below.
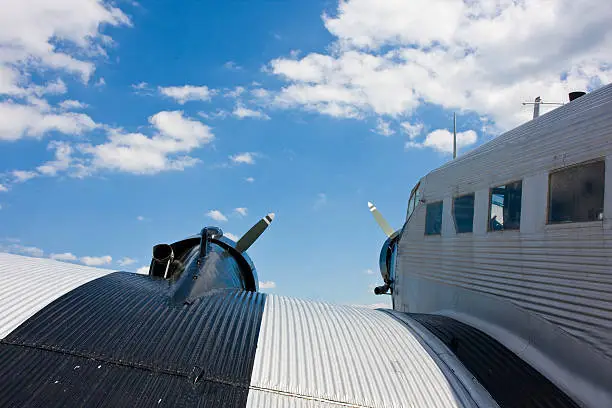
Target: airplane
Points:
(196, 332)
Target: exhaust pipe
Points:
(163, 255)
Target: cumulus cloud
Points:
(16, 248)
(125, 261)
(66, 256)
(183, 94)
(20, 120)
(28, 250)
(242, 211)
(242, 112)
(248, 180)
(243, 158)
(267, 284)
(412, 130)
(231, 65)
(143, 270)
(441, 140)
(21, 176)
(3, 188)
(31, 32)
(235, 93)
(383, 128)
(216, 215)
(63, 159)
(96, 260)
(388, 58)
(33, 28)
(231, 236)
(70, 104)
(375, 306)
(140, 218)
(174, 136)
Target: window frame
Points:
(489, 206)
(473, 212)
(601, 159)
(437, 234)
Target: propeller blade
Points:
(380, 220)
(251, 235)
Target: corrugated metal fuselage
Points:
(545, 291)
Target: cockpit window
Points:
(415, 196)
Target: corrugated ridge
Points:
(343, 354)
(29, 284)
(126, 322)
(511, 381)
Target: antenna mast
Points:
(536, 105)
(454, 135)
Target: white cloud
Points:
(383, 128)
(320, 201)
(143, 270)
(140, 86)
(183, 94)
(231, 65)
(248, 180)
(32, 251)
(136, 153)
(242, 112)
(60, 37)
(231, 236)
(66, 256)
(96, 260)
(18, 121)
(369, 272)
(3, 188)
(485, 56)
(216, 215)
(243, 158)
(375, 306)
(16, 248)
(63, 159)
(30, 30)
(235, 93)
(21, 176)
(267, 284)
(125, 261)
(260, 93)
(70, 104)
(412, 130)
(441, 140)
(241, 211)
(140, 218)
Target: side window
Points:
(433, 219)
(577, 194)
(505, 207)
(463, 212)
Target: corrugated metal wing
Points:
(335, 354)
(29, 284)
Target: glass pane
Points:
(463, 209)
(577, 194)
(433, 219)
(505, 207)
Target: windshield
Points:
(415, 195)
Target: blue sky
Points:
(305, 109)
